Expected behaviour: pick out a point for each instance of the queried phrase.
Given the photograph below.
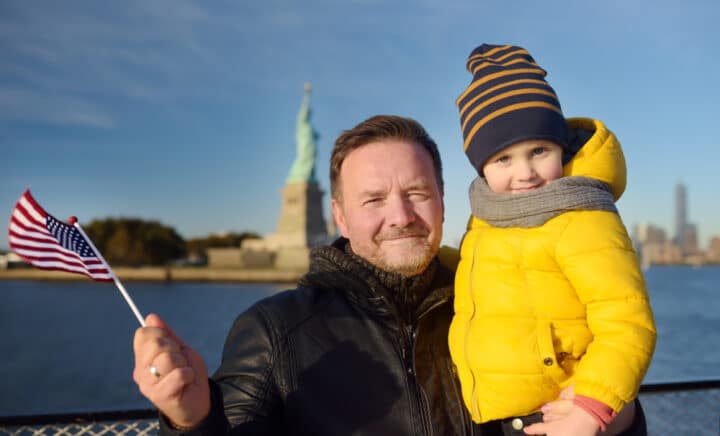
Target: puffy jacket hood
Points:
(596, 152)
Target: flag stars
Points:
(69, 237)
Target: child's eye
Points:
(539, 150)
(503, 159)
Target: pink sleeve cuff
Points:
(601, 412)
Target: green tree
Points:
(135, 242)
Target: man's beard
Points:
(419, 255)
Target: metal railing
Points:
(132, 422)
(687, 408)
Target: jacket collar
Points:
(337, 268)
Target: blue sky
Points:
(185, 111)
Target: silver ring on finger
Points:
(154, 371)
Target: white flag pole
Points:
(112, 274)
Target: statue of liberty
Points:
(303, 168)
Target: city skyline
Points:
(185, 113)
(655, 245)
(682, 229)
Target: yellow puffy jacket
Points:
(538, 309)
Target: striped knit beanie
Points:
(507, 101)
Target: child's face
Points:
(524, 166)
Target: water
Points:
(686, 304)
(67, 346)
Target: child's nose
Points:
(525, 170)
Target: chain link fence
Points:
(125, 423)
(138, 427)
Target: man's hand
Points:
(179, 387)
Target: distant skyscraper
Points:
(690, 240)
(680, 214)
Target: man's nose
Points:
(401, 212)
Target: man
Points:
(360, 347)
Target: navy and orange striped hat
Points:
(507, 101)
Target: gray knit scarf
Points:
(534, 208)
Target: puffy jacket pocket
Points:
(548, 358)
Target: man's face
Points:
(391, 208)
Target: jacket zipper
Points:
(410, 335)
(473, 399)
(407, 355)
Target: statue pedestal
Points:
(301, 222)
(301, 226)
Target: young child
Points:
(549, 292)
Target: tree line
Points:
(136, 242)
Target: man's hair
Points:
(380, 128)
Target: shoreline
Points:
(161, 274)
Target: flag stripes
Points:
(47, 243)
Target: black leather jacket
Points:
(340, 356)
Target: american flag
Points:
(48, 243)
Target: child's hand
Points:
(577, 423)
(561, 407)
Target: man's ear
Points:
(442, 204)
(339, 217)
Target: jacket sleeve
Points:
(215, 424)
(596, 256)
(246, 376)
(244, 397)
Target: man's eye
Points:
(418, 196)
